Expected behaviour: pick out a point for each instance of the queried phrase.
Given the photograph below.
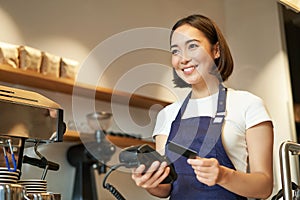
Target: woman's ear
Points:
(216, 50)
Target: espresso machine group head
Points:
(27, 116)
(30, 115)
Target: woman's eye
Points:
(175, 51)
(193, 46)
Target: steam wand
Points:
(41, 163)
(43, 159)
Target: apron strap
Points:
(183, 107)
(220, 109)
(216, 124)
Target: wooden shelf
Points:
(122, 142)
(33, 79)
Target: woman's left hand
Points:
(207, 170)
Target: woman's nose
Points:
(185, 58)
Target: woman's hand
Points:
(156, 173)
(207, 170)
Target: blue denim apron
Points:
(201, 134)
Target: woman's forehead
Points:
(186, 33)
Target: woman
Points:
(231, 130)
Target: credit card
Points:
(179, 149)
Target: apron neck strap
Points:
(221, 107)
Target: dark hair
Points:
(209, 28)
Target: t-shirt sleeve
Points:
(164, 120)
(256, 112)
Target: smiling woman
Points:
(261, 71)
(192, 55)
(230, 130)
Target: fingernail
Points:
(155, 164)
(164, 164)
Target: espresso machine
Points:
(26, 119)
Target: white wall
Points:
(73, 28)
(254, 35)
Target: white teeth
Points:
(188, 69)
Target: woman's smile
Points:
(189, 70)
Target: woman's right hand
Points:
(156, 173)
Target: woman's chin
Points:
(192, 81)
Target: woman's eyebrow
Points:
(173, 46)
(192, 40)
(188, 41)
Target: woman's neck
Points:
(204, 89)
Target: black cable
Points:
(111, 188)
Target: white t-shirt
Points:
(243, 110)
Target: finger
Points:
(206, 175)
(160, 171)
(145, 175)
(206, 171)
(203, 162)
(158, 176)
(203, 173)
(162, 177)
(139, 170)
(205, 180)
(156, 173)
(153, 167)
(193, 161)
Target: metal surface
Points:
(12, 192)
(26, 116)
(30, 115)
(286, 149)
(43, 196)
